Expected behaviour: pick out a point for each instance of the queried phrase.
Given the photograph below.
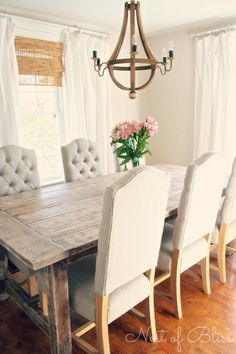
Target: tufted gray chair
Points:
(18, 170)
(81, 160)
(19, 173)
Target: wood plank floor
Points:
(208, 326)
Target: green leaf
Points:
(125, 161)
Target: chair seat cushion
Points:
(191, 255)
(81, 276)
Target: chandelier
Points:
(150, 63)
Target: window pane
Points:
(50, 167)
(49, 124)
(40, 117)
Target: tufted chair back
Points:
(18, 170)
(81, 160)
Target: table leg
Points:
(58, 308)
(3, 293)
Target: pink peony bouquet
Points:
(130, 139)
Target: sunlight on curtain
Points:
(215, 95)
(87, 97)
(9, 125)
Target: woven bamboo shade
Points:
(39, 61)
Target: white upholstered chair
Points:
(225, 229)
(19, 173)
(188, 241)
(81, 160)
(103, 287)
(18, 170)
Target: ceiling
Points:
(158, 15)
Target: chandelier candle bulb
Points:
(171, 49)
(171, 45)
(94, 54)
(164, 52)
(134, 41)
(134, 44)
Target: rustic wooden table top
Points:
(47, 225)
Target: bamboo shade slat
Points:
(39, 61)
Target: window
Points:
(40, 68)
(41, 119)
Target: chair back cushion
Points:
(228, 211)
(200, 200)
(18, 170)
(131, 230)
(81, 160)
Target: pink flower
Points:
(136, 125)
(127, 129)
(151, 126)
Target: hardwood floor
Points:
(208, 324)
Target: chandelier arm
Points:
(142, 35)
(122, 33)
(101, 73)
(163, 72)
(96, 67)
(170, 66)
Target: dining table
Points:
(51, 227)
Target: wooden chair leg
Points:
(221, 252)
(175, 282)
(205, 275)
(102, 324)
(149, 309)
(205, 269)
(32, 286)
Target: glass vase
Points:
(135, 162)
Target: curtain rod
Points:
(57, 24)
(222, 29)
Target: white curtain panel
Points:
(87, 99)
(215, 95)
(9, 126)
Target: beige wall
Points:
(123, 108)
(170, 99)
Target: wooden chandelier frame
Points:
(113, 64)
